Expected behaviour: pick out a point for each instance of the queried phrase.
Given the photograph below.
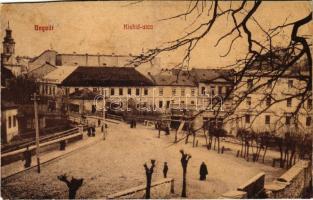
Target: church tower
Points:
(8, 46)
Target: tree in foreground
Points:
(184, 162)
(273, 50)
(149, 172)
(72, 185)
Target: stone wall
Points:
(295, 183)
(253, 188)
(159, 189)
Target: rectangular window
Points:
(220, 90)
(10, 121)
(248, 100)
(192, 92)
(267, 119)
(53, 90)
(182, 102)
(112, 91)
(160, 104)
(289, 101)
(228, 89)
(203, 90)
(50, 91)
(145, 91)
(192, 102)
(120, 91)
(14, 121)
(174, 92)
(308, 121)
(212, 90)
(309, 103)
(247, 119)
(290, 83)
(76, 89)
(182, 92)
(137, 91)
(129, 91)
(160, 91)
(168, 103)
(249, 83)
(268, 101)
(288, 120)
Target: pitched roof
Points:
(43, 70)
(7, 105)
(106, 76)
(170, 79)
(208, 75)
(58, 75)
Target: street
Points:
(116, 164)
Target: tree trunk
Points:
(193, 139)
(72, 193)
(184, 192)
(149, 176)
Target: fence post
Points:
(172, 186)
(81, 129)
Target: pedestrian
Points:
(27, 157)
(62, 145)
(93, 131)
(104, 129)
(203, 171)
(134, 123)
(89, 131)
(167, 130)
(165, 170)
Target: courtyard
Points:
(116, 164)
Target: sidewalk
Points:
(45, 157)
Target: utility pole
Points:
(35, 98)
(103, 113)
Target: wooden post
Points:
(172, 186)
(35, 98)
(103, 117)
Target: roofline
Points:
(81, 54)
(42, 54)
(42, 66)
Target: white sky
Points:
(92, 27)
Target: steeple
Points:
(8, 44)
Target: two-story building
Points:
(121, 86)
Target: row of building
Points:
(72, 82)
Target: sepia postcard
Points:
(156, 99)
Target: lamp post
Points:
(35, 98)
